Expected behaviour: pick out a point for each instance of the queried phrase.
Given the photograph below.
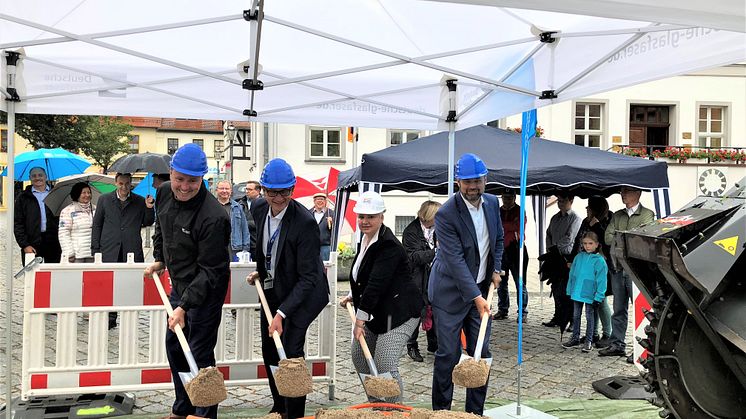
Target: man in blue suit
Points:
(468, 259)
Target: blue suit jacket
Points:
(454, 273)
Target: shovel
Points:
(205, 387)
(375, 384)
(291, 376)
(470, 372)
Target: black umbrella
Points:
(239, 190)
(143, 162)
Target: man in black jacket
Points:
(291, 272)
(253, 192)
(119, 216)
(36, 231)
(324, 217)
(192, 239)
(420, 243)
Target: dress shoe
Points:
(612, 351)
(414, 353)
(500, 315)
(550, 323)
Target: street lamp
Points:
(230, 136)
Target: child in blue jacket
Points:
(586, 285)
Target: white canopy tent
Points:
(373, 63)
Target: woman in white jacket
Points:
(76, 222)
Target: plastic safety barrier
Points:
(67, 345)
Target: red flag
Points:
(331, 180)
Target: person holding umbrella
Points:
(35, 225)
(76, 223)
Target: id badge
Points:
(269, 283)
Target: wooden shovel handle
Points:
(177, 329)
(269, 316)
(483, 324)
(363, 343)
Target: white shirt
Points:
(631, 211)
(483, 235)
(318, 215)
(272, 226)
(364, 246)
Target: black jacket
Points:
(300, 286)
(384, 286)
(325, 232)
(252, 225)
(420, 255)
(116, 227)
(27, 220)
(192, 238)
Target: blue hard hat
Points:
(190, 160)
(470, 166)
(277, 174)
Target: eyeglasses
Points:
(278, 192)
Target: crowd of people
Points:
(435, 279)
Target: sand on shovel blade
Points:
(292, 378)
(207, 388)
(381, 387)
(470, 373)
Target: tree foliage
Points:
(99, 138)
(106, 137)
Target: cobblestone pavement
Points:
(549, 371)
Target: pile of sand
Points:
(470, 373)
(416, 413)
(207, 388)
(292, 378)
(381, 387)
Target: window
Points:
(134, 142)
(400, 136)
(711, 128)
(218, 149)
(200, 143)
(325, 143)
(173, 145)
(588, 124)
(3, 142)
(401, 222)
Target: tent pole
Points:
(9, 185)
(451, 119)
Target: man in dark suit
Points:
(291, 272)
(253, 192)
(324, 217)
(469, 256)
(35, 225)
(120, 215)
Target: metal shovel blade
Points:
(465, 356)
(186, 377)
(386, 375)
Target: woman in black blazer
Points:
(386, 300)
(420, 243)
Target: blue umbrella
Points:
(56, 161)
(145, 187)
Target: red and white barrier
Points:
(639, 303)
(82, 295)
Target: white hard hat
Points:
(369, 203)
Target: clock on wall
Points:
(712, 182)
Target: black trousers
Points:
(432, 337)
(201, 330)
(293, 339)
(563, 305)
(49, 249)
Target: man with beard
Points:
(469, 258)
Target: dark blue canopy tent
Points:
(554, 166)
